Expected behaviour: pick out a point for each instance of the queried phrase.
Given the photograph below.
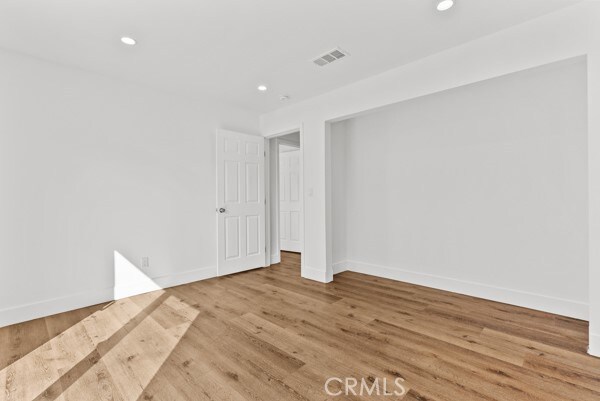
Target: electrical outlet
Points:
(145, 262)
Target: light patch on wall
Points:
(130, 280)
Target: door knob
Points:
(221, 210)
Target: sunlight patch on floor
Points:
(130, 331)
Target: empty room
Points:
(310, 200)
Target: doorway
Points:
(286, 195)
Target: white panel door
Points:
(290, 201)
(240, 202)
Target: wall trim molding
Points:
(48, 307)
(340, 267)
(594, 348)
(166, 281)
(321, 275)
(275, 258)
(52, 306)
(186, 277)
(579, 310)
(564, 307)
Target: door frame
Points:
(272, 210)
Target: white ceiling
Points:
(225, 48)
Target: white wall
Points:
(483, 187)
(554, 37)
(594, 178)
(571, 32)
(292, 139)
(339, 194)
(89, 166)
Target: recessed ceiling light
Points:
(284, 98)
(262, 88)
(128, 41)
(444, 5)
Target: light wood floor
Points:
(270, 335)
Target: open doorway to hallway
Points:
(290, 202)
(286, 196)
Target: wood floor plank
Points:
(506, 377)
(268, 334)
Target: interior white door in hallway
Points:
(290, 200)
(240, 202)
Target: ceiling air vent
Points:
(330, 57)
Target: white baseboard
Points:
(594, 348)
(340, 267)
(290, 246)
(165, 281)
(320, 275)
(172, 280)
(559, 306)
(35, 310)
(564, 307)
